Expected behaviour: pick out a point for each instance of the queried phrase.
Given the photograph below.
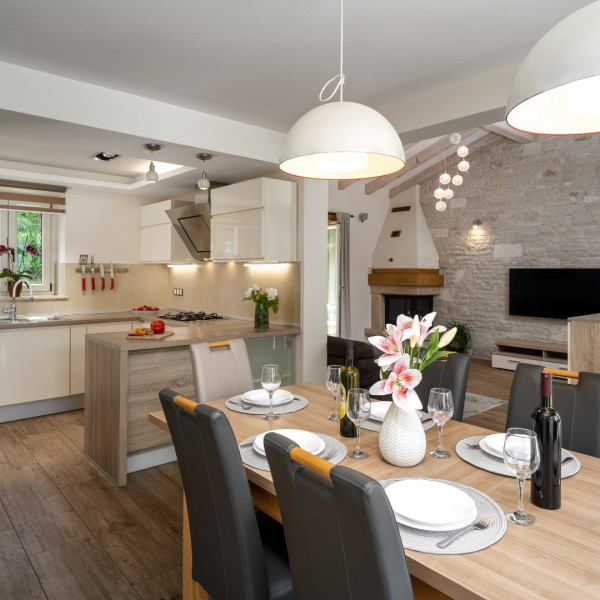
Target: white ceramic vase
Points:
(402, 438)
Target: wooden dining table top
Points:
(557, 558)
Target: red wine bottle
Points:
(545, 482)
(350, 380)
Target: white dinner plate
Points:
(379, 410)
(305, 439)
(493, 444)
(430, 505)
(261, 397)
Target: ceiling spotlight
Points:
(455, 138)
(448, 193)
(462, 151)
(439, 193)
(105, 156)
(444, 179)
(440, 206)
(203, 182)
(463, 166)
(457, 180)
(151, 174)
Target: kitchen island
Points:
(123, 378)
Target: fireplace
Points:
(406, 305)
(401, 291)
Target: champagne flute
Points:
(358, 409)
(270, 380)
(522, 457)
(333, 381)
(441, 409)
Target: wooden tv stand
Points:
(510, 352)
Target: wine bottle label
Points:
(342, 403)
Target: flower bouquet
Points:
(263, 300)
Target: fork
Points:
(329, 454)
(473, 445)
(483, 523)
(241, 404)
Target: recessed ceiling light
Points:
(105, 156)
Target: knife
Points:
(112, 277)
(83, 279)
(92, 275)
(102, 285)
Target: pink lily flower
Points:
(390, 344)
(401, 384)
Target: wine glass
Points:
(441, 409)
(358, 409)
(522, 457)
(270, 380)
(333, 382)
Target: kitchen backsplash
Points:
(211, 287)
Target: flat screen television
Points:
(554, 293)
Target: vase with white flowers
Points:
(408, 347)
(263, 300)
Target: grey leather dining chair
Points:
(341, 534)
(220, 369)
(237, 553)
(578, 406)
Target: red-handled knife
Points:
(112, 277)
(83, 279)
(93, 279)
(102, 284)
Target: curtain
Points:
(344, 221)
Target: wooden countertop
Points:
(186, 334)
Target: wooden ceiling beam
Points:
(504, 130)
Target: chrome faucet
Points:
(13, 308)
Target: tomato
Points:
(157, 326)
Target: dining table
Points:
(555, 559)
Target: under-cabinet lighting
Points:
(270, 265)
(186, 266)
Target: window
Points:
(29, 234)
(333, 283)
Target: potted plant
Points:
(19, 268)
(462, 339)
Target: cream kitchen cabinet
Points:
(254, 220)
(35, 364)
(78, 333)
(159, 242)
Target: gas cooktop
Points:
(191, 316)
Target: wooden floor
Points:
(67, 533)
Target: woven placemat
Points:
(478, 458)
(236, 404)
(375, 425)
(253, 459)
(473, 541)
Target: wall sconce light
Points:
(476, 224)
(151, 174)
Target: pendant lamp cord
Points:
(341, 77)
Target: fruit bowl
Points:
(145, 311)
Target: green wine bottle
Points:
(350, 380)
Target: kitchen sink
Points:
(31, 319)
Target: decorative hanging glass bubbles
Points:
(448, 193)
(463, 166)
(455, 138)
(457, 180)
(438, 193)
(444, 179)
(462, 151)
(440, 206)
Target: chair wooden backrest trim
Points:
(321, 466)
(186, 403)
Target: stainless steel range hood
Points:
(192, 223)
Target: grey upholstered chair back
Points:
(451, 373)
(342, 538)
(220, 371)
(227, 553)
(578, 406)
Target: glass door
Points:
(333, 283)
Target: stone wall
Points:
(539, 205)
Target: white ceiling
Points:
(260, 63)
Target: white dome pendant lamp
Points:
(557, 88)
(341, 140)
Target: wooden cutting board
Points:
(156, 336)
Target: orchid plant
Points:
(17, 267)
(268, 297)
(404, 358)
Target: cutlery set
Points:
(92, 268)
